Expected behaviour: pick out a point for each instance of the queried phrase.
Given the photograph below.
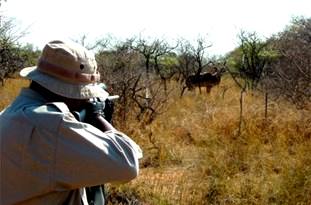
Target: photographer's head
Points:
(67, 69)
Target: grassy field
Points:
(194, 155)
(10, 90)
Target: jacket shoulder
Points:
(47, 116)
(60, 106)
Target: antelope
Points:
(206, 79)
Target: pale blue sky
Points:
(220, 20)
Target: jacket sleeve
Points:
(86, 156)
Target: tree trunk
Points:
(241, 112)
(266, 105)
(124, 107)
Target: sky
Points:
(219, 21)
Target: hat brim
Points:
(75, 91)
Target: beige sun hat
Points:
(67, 69)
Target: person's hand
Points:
(101, 123)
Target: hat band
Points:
(66, 75)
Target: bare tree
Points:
(152, 53)
(291, 72)
(249, 66)
(186, 61)
(95, 45)
(164, 70)
(123, 69)
(192, 59)
(118, 67)
(253, 61)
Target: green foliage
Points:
(10, 58)
(30, 54)
(168, 63)
(234, 59)
(169, 60)
(249, 61)
(13, 56)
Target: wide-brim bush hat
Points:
(67, 69)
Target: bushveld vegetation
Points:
(247, 141)
(193, 153)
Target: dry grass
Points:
(193, 155)
(201, 160)
(10, 90)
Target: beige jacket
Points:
(47, 156)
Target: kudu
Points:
(206, 79)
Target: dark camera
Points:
(95, 107)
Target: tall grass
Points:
(194, 155)
(10, 90)
(201, 159)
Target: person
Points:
(47, 155)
